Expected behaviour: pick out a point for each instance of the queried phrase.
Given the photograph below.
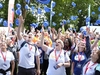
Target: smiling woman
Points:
(58, 58)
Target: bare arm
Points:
(38, 64)
(13, 66)
(72, 68)
(66, 64)
(96, 41)
(44, 47)
(18, 56)
(20, 27)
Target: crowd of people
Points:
(49, 52)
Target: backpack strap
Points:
(29, 44)
(86, 62)
(22, 44)
(50, 52)
(35, 47)
(64, 53)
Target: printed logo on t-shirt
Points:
(25, 45)
(77, 58)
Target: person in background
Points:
(12, 47)
(67, 48)
(41, 56)
(6, 59)
(90, 67)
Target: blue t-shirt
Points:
(79, 59)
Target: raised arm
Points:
(88, 47)
(21, 22)
(96, 41)
(43, 46)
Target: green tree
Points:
(62, 6)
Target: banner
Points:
(10, 14)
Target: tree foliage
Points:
(62, 6)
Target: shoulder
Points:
(9, 53)
(98, 67)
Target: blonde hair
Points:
(62, 44)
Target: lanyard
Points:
(30, 47)
(57, 57)
(87, 66)
(4, 57)
(79, 56)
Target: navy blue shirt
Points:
(79, 59)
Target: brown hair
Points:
(98, 60)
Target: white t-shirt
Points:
(27, 53)
(6, 64)
(91, 69)
(52, 62)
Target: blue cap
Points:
(39, 11)
(1, 20)
(11, 25)
(80, 11)
(88, 19)
(1, 5)
(45, 23)
(5, 23)
(68, 21)
(53, 4)
(26, 7)
(93, 13)
(35, 25)
(98, 21)
(54, 24)
(47, 9)
(18, 5)
(53, 13)
(17, 22)
(64, 22)
(84, 32)
(18, 12)
(99, 8)
(81, 29)
(44, 1)
(73, 4)
(27, 1)
(32, 7)
(60, 14)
